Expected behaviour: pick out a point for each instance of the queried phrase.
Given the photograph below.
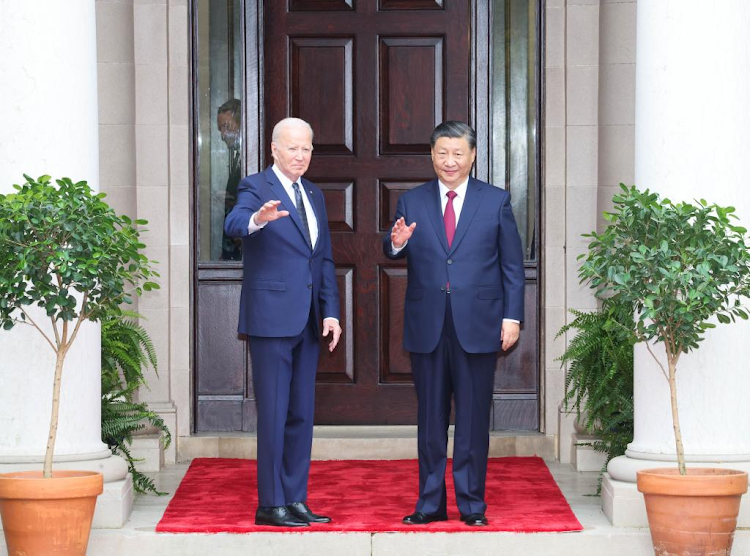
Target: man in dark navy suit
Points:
(288, 290)
(464, 303)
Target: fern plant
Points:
(599, 382)
(127, 350)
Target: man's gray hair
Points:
(287, 123)
(454, 130)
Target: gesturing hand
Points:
(332, 325)
(269, 213)
(401, 233)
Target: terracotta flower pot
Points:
(693, 514)
(49, 517)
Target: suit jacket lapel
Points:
(286, 202)
(435, 210)
(471, 204)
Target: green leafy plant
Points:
(126, 351)
(64, 250)
(678, 265)
(599, 380)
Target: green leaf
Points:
(679, 264)
(59, 236)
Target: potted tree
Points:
(679, 265)
(65, 251)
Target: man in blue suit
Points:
(288, 289)
(464, 303)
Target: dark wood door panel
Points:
(411, 93)
(337, 367)
(320, 5)
(516, 394)
(350, 405)
(515, 414)
(373, 78)
(339, 198)
(411, 4)
(516, 370)
(221, 355)
(224, 396)
(373, 82)
(395, 366)
(326, 103)
(390, 191)
(221, 415)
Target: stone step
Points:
(363, 442)
(148, 448)
(582, 454)
(620, 543)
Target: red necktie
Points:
(449, 218)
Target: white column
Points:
(49, 123)
(692, 135)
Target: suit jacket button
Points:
(442, 288)
(309, 286)
(450, 261)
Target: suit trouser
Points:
(284, 380)
(449, 370)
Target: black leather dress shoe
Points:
(301, 511)
(474, 520)
(419, 518)
(278, 516)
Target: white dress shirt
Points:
(458, 203)
(286, 183)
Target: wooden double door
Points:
(373, 78)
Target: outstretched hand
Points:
(269, 212)
(401, 233)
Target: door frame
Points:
(251, 30)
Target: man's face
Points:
(452, 159)
(229, 129)
(293, 151)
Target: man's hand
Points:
(509, 334)
(401, 233)
(269, 213)
(332, 325)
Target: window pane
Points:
(514, 109)
(220, 152)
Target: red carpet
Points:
(219, 495)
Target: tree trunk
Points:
(61, 352)
(676, 417)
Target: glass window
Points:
(220, 131)
(514, 111)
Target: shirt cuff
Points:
(396, 250)
(331, 318)
(512, 320)
(252, 227)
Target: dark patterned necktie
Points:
(302, 212)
